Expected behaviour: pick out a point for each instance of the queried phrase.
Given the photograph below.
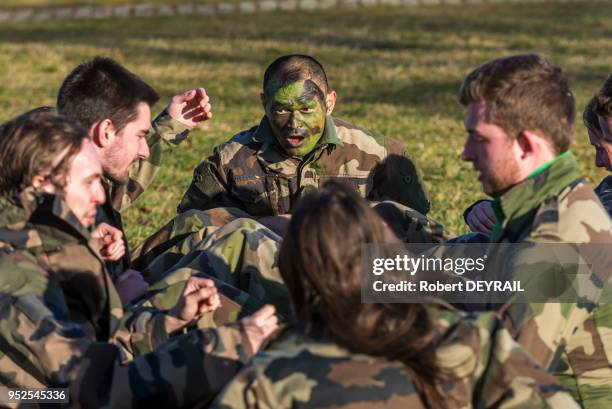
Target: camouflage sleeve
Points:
(409, 225)
(164, 135)
(396, 178)
(47, 349)
(508, 377)
(565, 286)
(209, 187)
(142, 329)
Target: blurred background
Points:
(396, 64)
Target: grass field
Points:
(396, 70)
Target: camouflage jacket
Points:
(251, 172)
(572, 339)
(311, 371)
(40, 346)
(604, 192)
(60, 244)
(164, 135)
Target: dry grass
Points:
(396, 70)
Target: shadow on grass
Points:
(367, 29)
(375, 36)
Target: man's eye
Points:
(307, 110)
(281, 111)
(478, 138)
(475, 138)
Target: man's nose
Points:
(99, 196)
(294, 121)
(143, 148)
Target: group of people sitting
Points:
(252, 295)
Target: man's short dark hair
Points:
(40, 142)
(602, 105)
(295, 67)
(103, 89)
(524, 92)
(589, 117)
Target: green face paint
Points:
(296, 114)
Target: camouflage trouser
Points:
(409, 225)
(162, 250)
(241, 257)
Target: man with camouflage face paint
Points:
(262, 172)
(296, 114)
(296, 147)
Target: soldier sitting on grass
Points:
(296, 147)
(261, 172)
(114, 106)
(62, 324)
(520, 123)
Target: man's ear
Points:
(103, 133)
(40, 183)
(524, 141)
(533, 144)
(262, 98)
(330, 102)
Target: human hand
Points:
(131, 285)
(481, 218)
(199, 297)
(191, 107)
(259, 326)
(110, 242)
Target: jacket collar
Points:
(515, 207)
(33, 219)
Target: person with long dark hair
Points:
(342, 352)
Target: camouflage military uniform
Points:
(251, 172)
(570, 339)
(42, 347)
(63, 247)
(311, 371)
(604, 192)
(164, 135)
(554, 205)
(242, 253)
(178, 237)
